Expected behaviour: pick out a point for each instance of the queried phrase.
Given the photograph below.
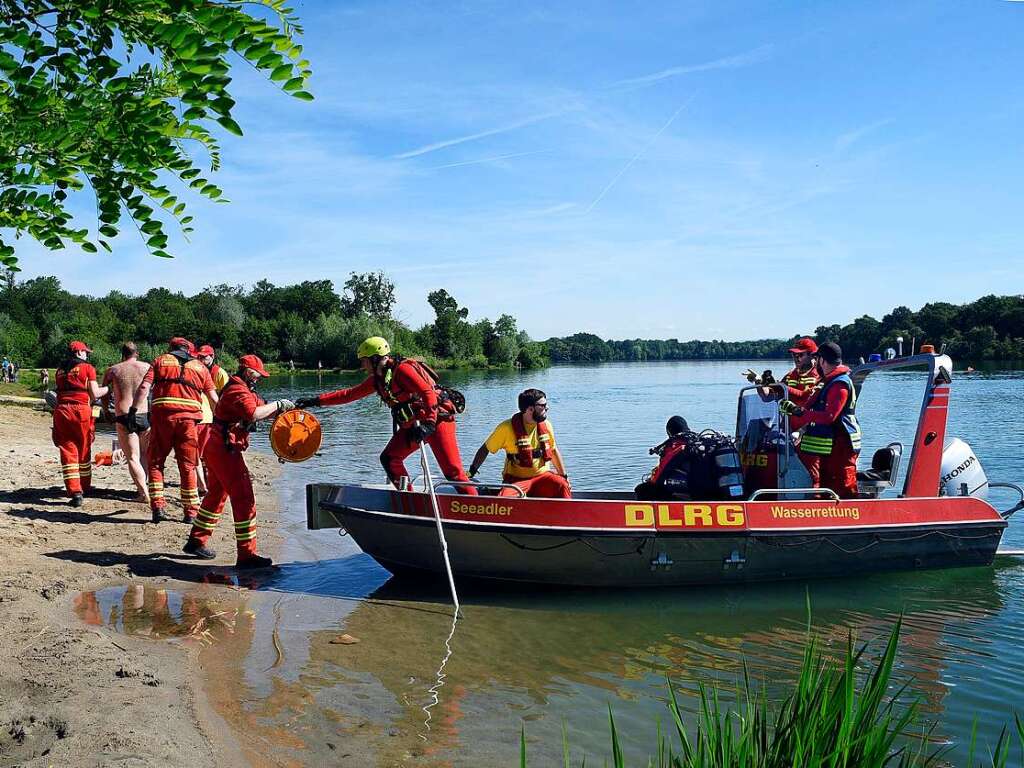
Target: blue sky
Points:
(653, 169)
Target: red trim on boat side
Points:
(717, 517)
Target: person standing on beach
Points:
(44, 379)
(220, 377)
(234, 416)
(72, 420)
(178, 383)
(123, 380)
(421, 411)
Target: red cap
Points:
(179, 341)
(804, 345)
(78, 346)
(205, 350)
(251, 361)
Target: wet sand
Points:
(75, 694)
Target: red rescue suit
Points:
(227, 474)
(803, 386)
(409, 390)
(836, 468)
(178, 384)
(73, 427)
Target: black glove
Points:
(132, 422)
(307, 402)
(422, 431)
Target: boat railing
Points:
(519, 492)
(809, 493)
(1020, 502)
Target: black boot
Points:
(253, 561)
(159, 514)
(76, 500)
(193, 547)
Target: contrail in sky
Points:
(639, 153)
(483, 134)
(489, 159)
(729, 62)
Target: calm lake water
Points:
(284, 665)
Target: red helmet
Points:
(78, 346)
(205, 350)
(805, 345)
(180, 341)
(253, 362)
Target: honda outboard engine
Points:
(961, 473)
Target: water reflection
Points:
(517, 656)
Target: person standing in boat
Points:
(831, 438)
(532, 459)
(421, 411)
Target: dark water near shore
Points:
(548, 658)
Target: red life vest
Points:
(72, 382)
(526, 455)
(403, 405)
(177, 384)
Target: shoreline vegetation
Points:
(838, 712)
(317, 329)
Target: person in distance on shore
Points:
(220, 377)
(831, 439)
(420, 409)
(73, 429)
(234, 416)
(178, 383)
(123, 380)
(532, 459)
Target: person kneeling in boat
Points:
(234, 417)
(670, 479)
(422, 411)
(830, 443)
(532, 459)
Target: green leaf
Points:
(108, 231)
(230, 125)
(282, 72)
(293, 85)
(304, 95)
(88, 247)
(151, 227)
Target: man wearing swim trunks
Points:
(123, 379)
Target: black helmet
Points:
(676, 426)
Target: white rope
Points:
(440, 529)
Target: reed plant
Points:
(833, 717)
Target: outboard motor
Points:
(961, 473)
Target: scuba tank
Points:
(716, 470)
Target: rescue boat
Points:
(778, 527)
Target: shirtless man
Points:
(124, 379)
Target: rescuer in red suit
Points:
(73, 429)
(227, 476)
(420, 410)
(178, 383)
(831, 436)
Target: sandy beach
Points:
(75, 694)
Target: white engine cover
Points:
(961, 467)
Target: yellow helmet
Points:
(373, 346)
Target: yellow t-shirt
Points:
(220, 380)
(504, 438)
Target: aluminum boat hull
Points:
(611, 540)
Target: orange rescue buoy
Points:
(295, 435)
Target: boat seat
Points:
(885, 465)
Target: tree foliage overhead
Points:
(112, 98)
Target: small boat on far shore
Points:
(781, 529)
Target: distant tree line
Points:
(991, 328)
(310, 323)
